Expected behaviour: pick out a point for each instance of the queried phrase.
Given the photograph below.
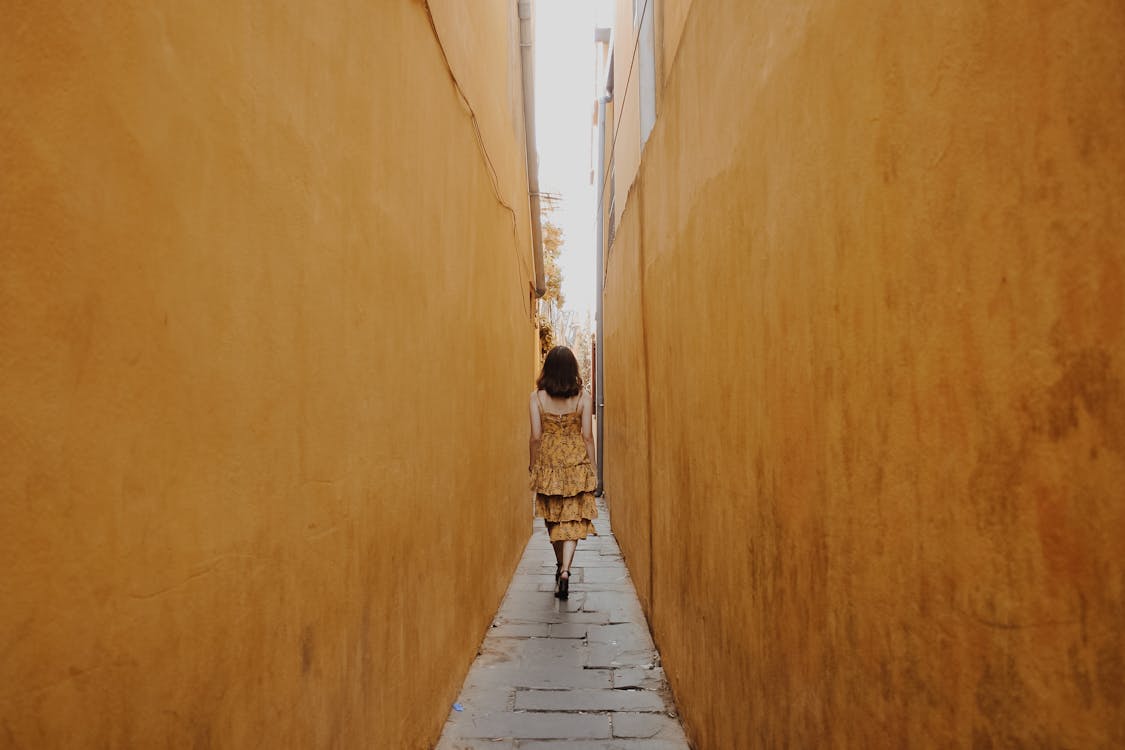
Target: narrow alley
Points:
(581, 674)
(843, 285)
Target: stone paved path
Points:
(576, 675)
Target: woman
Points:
(562, 459)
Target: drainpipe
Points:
(599, 277)
(527, 64)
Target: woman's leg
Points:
(568, 548)
(557, 546)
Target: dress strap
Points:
(542, 408)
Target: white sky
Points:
(564, 100)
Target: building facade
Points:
(864, 345)
(266, 318)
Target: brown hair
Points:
(560, 378)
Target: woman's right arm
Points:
(536, 430)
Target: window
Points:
(646, 52)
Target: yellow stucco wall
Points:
(865, 326)
(481, 42)
(672, 15)
(266, 344)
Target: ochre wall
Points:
(671, 15)
(864, 375)
(266, 342)
(481, 42)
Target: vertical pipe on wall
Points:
(527, 66)
(599, 278)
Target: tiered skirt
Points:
(567, 517)
(564, 499)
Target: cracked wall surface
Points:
(265, 338)
(865, 351)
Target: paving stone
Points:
(605, 575)
(621, 615)
(632, 636)
(639, 677)
(519, 630)
(616, 744)
(567, 745)
(536, 604)
(601, 601)
(485, 700)
(587, 555)
(539, 578)
(611, 656)
(533, 600)
(588, 700)
(622, 588)
(451, 743)
(523, 676)
(545, 662)
(529, 616)
(646, 726)
(566, 653)
(493, 653)
(574, 604)
(531, 612)
(525, 586)
(588, 618)
(551, 652)
(519, 725)
(616, 610)
(570, 630)
(526, 616)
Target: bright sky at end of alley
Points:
(564, 97)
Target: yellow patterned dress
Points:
(563, 479)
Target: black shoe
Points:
(564, 586)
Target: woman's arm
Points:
(536, 430)
(588, 428)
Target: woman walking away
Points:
(562, 459)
